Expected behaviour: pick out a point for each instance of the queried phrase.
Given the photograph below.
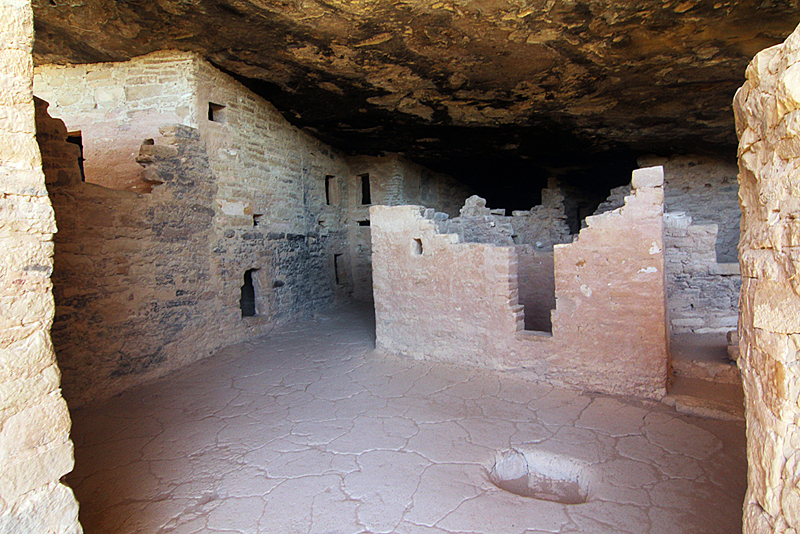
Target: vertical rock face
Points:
(768, 124)
(34, 423)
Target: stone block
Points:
(648, 177)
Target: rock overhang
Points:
(517, 86)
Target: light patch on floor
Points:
(308, 430)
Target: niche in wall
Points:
(338, 269)
(416, 246)
(76, 138)
(216, 113)
(366, 194)
(247, 301)
(331, 190)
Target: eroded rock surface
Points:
(767, 108)
(444, 79)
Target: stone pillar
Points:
(35, 450)
(767, 111)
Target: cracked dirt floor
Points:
(307, 430)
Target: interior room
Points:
(401, 267)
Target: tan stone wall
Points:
(393, 181)
(703, 295)
(540, 227)
(703, 279)
(34, 423)
(701, 235)
(441, 299)
(268, 169)
(146, 283)
(133, 278)
(116, 106)
(767, 109)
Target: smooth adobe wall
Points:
(34, 422)
(767, 110)
(440, 299)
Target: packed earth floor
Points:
(309, 430)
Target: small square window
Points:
(216, 113)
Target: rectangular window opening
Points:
(363, 223)
(76, 138)
(257, 218)
(337, 269)
(366, 196)
(247, 301)
(216, 113)
(330, 189)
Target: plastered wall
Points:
(34, 422)
(767, 109)
(439, 298)
(393, 181)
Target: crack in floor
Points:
(309, 431)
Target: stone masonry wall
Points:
(704, 188)
(540, 227)
(271, 209)
(702, 294)
(393, 181)
(533, 232)
(702, 233)
(767, 111)
(34, 422)
(133, 273)
(156, 272)
(441, 299)
(116, 106)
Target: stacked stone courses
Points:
(609, 325)
(34, 423)
(202, 182)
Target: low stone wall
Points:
(438, 298)
(540, 227)
(34, 422)
(767, 108)
(392, 181)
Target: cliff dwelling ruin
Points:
(399, 267)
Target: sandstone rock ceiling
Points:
(504, 87)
